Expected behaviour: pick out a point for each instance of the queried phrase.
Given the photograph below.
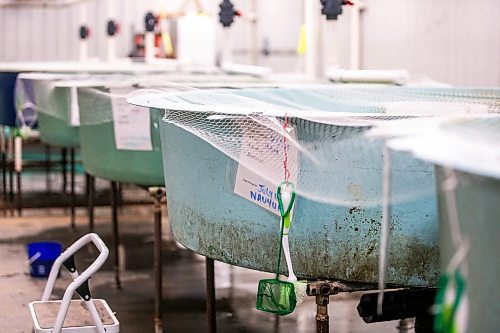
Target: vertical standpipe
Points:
(111, 30)
(84, 33)
(149, 37)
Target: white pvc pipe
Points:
(399, 76)
(41, 3)
(254, 38)
(330, 43)
(227, 47)
(312, 12)
(83, 42)
(258, 71)
(355, 37)
(149, 46)
(385, 227)
(111, 43)
(18, 154)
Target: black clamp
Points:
(227, 13)
(333, 8)
(112, 28)
(150, 22)
(84, 291)
(84, 32)
(70, 264)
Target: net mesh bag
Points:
(276, 296)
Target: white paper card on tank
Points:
(250, 182)
(131, 123)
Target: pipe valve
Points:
(84, 32)
(333, 8)
(112, 28)
(227, 13)
(150, 22)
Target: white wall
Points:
(457, 41)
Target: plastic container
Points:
(41, 256)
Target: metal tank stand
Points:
(406, 325)
(64, 167)
(90, 200)
(48, 166)
(157, 193)
(322, 290)
(211, 300)
(116, 236)
(10, 164)
(72, 195)
(19, 196)
(3, 153)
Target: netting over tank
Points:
(467, 144)
(327, 151)
(56, 95)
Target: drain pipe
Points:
(84, 33)
(112, 29)
(312, 19)
(355, 35)
(254, 37)
(150, 22)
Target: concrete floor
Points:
(184, 280)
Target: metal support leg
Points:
(157, 193)
(211, 301)
(90, 200)
(72, 196)
(64, 169)
(19, 197)
(10, 163)
(322, 318)
(48, 168)
(116, 236)
(11, 187)
(3, 161)
(120, 195)
(276, 324)
(406, 325)
(4, 183)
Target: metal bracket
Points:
(84, 291)
(70, 264)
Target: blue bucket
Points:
(41, 256)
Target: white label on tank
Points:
(251, 184)
(131, 123)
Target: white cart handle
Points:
(93, 268)
(78, 280)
